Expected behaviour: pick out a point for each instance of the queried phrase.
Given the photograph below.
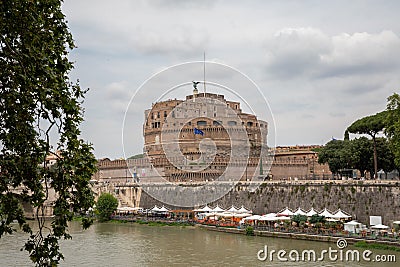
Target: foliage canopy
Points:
(40, 114)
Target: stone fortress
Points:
(198, 138)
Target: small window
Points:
(250, 124)
(158, 115)
(201, 123)
(165, 114)
(232, 123)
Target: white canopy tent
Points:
(353, 226)
(163, 209)
(285, 212)
(312, 212)
(244, 210)
(155, 209)
(233, 209)
(339, 214)
(218, 209)
(326, 213)
(206, 208)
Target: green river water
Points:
(128, 244)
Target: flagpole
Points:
(204, 71)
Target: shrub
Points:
(105, 206)
(249, 230)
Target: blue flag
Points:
(197, 131)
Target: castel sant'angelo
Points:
(199, 138)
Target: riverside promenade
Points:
(304, 236)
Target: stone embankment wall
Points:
(359, 198)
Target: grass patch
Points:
(158, 223)
(117, 221)
(364, 244)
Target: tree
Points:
(317, 219)
(337, 154)
(40, 114)
(385, 155)
(392, 129)
(106, 205)
(361, 149)
(370, 125)
(299, 218)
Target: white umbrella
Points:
(379, 226)
(242, 215)
(253, 217)
(225, 214)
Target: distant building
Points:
(298, 162)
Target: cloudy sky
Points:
(319, 64)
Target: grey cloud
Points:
(328, 59)
(309, 52)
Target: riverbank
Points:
(303, 236)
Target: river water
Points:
(127, 244)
